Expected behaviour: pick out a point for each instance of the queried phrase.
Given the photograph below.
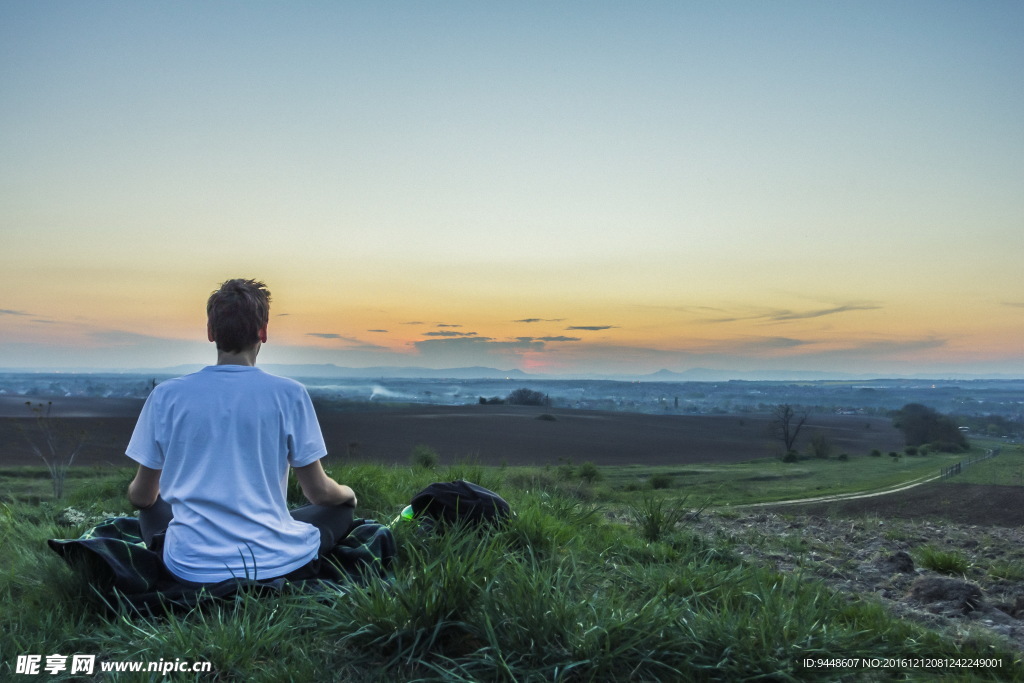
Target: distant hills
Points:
(331, 371)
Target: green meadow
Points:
(599, 577)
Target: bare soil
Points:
(861, 550)
(946, 501)
(493, 435)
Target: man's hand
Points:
(320, 489)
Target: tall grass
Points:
(559, 593)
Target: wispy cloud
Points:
(1014, 304)
(592, 328)
(447, 325)
(539, 320)
(380, 331)
(785, 315)
(7, 311)
(449, 333)
(749, 346)
(351, 343)
(884, 347)
(462, 351)
(549, 339)
(803, 315)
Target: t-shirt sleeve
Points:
(306, 441)
(144, 446)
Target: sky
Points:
(563, 188)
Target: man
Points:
(214, 450)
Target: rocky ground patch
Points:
(964, 580)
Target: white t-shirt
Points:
(224, 438)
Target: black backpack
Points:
(460, 501)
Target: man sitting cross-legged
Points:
(214, 449)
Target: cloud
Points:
(550, 339)
(756, 345)
(447, 325)
(885, 347)
(539, 320)
(1014, 304)
(353, 344)
(464, 351)
(7, 311)
(331, 335)
(381, 331)
(785, 315)
(365, 346)
(414, 322)
(592, 328)
(449, 333)
(802, 315)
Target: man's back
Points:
(224, 438)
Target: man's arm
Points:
(145, 487)
(320, 489)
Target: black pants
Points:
(333, 521)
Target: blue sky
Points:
(815, 186)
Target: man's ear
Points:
(209, 332)
(262, 334)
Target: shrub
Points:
(565, 469)
(875, 453)
(424, 457)
(527, 397)
(790, 457)
(843, 457)
(657, 516)
(589, 472)
(547, 417)
(910, 450)
(660, 481)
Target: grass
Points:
(943, 561)
(1007, 468)
(770, 479)
(562, 593)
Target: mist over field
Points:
(1004, 398)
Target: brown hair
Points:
(236, 312)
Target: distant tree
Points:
(821, 447)
(786, 424)
(923, 425)
(54, 443)
(527, 397)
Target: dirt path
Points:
(905, 486)
(847, 496)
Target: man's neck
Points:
(243, 357)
